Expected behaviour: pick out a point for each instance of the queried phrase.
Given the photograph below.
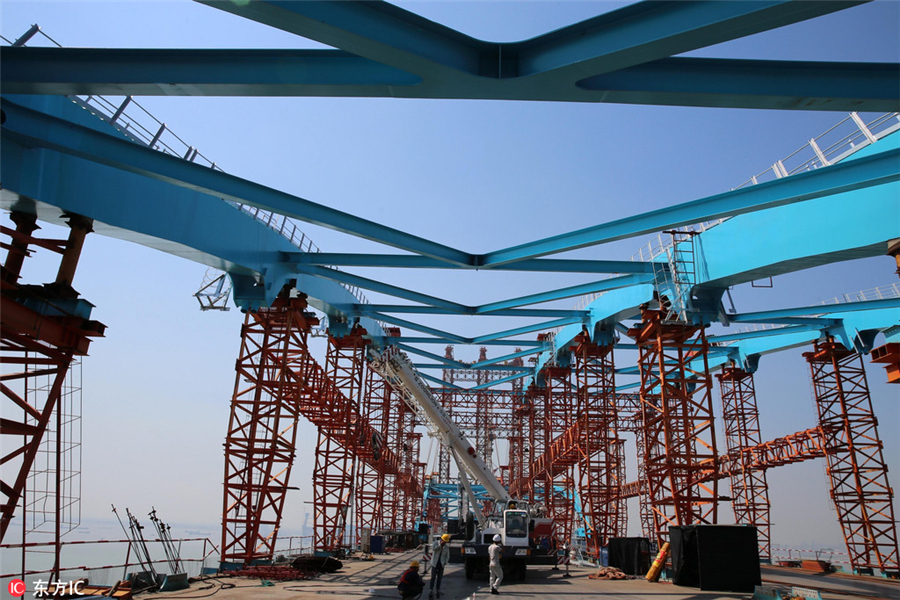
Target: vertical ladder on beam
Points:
(682, 275)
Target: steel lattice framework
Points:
(42, 329)
(335, 467)
(371, 484)
(367, 441)
(679, 437)
(599, 463)
(749, 488)
(260, 444)
(859, 482)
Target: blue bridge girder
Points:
(624, 56)
(58, 158)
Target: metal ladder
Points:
(679, 279)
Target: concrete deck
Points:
(361, 579)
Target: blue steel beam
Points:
(440, 382)
(780, 85)
(405, 261)
(820, 309)
(443, 360)
(489, 368)
(378, 31)
(164, 72)
(719, 83)
(500, 381)
(435, 310)
(424, 340)
(443, 335)
(811, 321)
(153, 213)
(854, 324)
(547, 325)
(506, 357)
(846, 176)
(454, 65)
(38, 130)
(390, 52)
(383, 288)
(568, 292)
(853, 225)
(647, 31)
(749, 335)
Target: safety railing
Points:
(828, 555)
(840, 141)
(883, 292)
(297, 545)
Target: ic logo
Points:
(17, 588)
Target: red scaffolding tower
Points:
(679, 436)
(334, 472)
(598, 444)
(42, 330)
(371, 481)
(856, 467)
(260, 444)
(749, 488)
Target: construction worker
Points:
(495, 550)
(411, 583)
(440, 556)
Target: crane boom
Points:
(395, 367)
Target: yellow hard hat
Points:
(414, 564)
(446, 537)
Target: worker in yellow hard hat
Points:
(411, 583)
(440, 556)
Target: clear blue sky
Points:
(475, 175)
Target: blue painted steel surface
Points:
(58, 158)
(875, 170)
(783, 85)
(621, 57)
(553, 265)
(39, 130)
(856, 224)
(147, 72)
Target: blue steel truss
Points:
(628, 55)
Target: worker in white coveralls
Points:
(494, 552)
(440, 556)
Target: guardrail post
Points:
(862, 127)
(159, 133)
(27, 35)
(121, 109)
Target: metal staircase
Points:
(676, 276)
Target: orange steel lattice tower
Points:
(335, 466)
(521, 450)
(621, 527)
(559, 481)
(42, 329)
(371, 478)
(679, 435)
(393, 502)
(859, 481)
(646, 511)
(260, 444)
(413, 489)
(484, 436)
(598, 443)
(447, 402)
(749, 489)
